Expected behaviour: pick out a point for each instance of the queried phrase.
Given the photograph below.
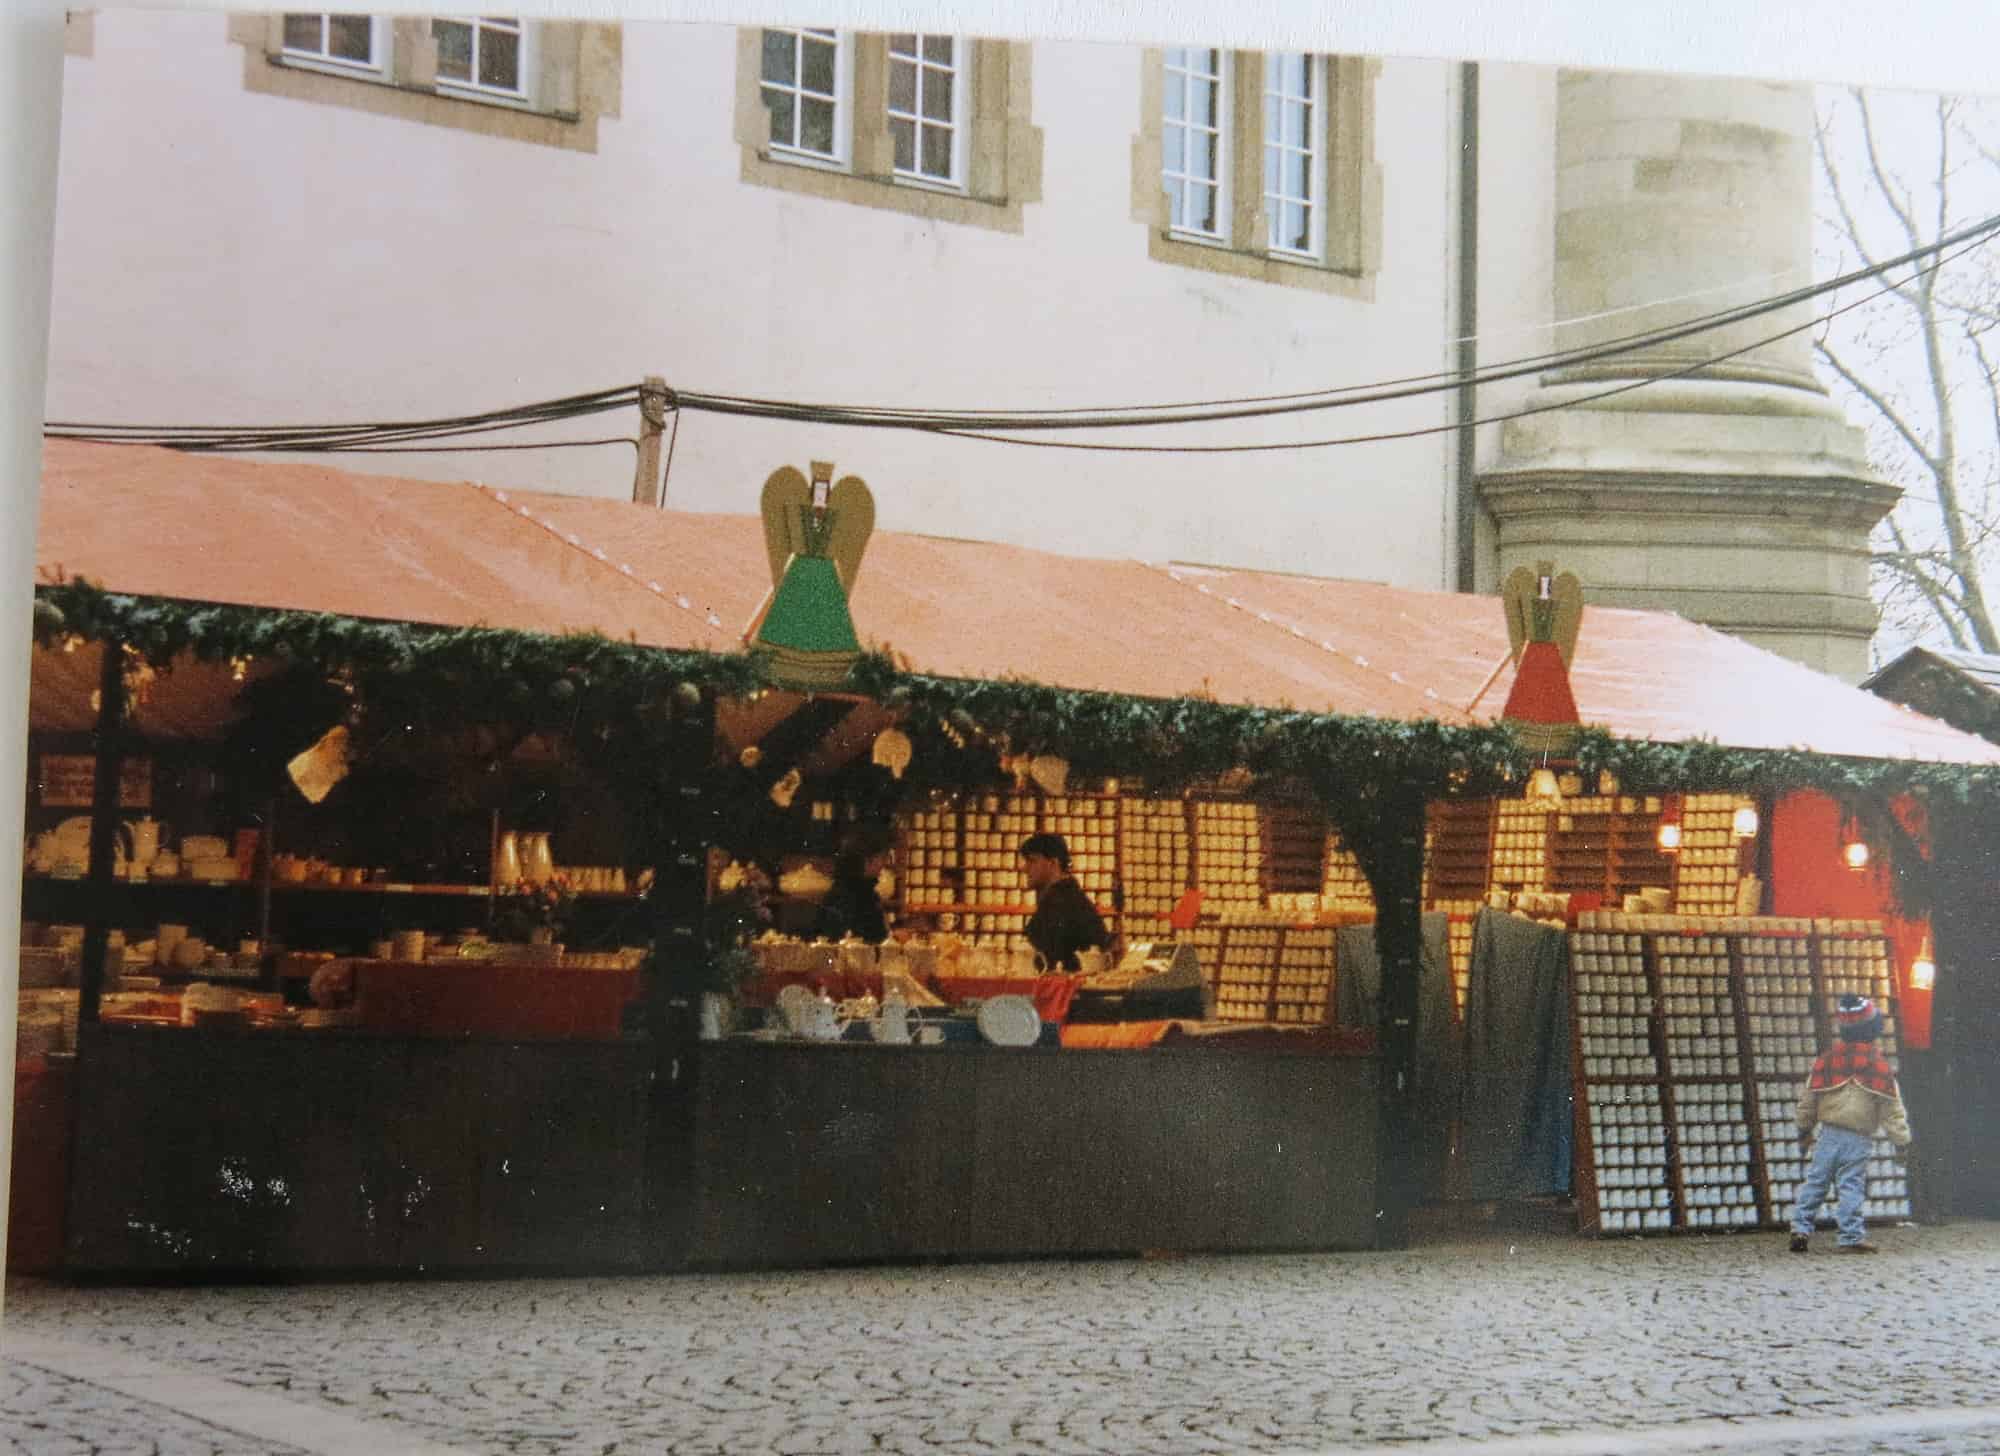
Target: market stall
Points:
(626, 1141)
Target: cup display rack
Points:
(1154, 844)
(1458, 850)
(1228, 854)
(1341, 882)
(1689, 1046)
(1710, 862)
(1265, 969)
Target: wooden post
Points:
(110, 755)
(1394, 865)
(647, 487)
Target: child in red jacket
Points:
(1850, 1096)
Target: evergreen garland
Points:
(413, 684)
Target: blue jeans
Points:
(1840, 1160)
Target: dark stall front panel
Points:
(810, 1154)
(241, 1152)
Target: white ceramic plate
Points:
(1010, 1021)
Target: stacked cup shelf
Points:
(1710, 1116)
(1858, 963)
(1155, 855)
(1705, 1028)
(1783, 1038)
(1521, 845)
(1305, 975)
(1228, 854)
(1342, 884)
(1625, 1187)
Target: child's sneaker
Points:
(1799, 1243)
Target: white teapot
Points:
(817, 1021)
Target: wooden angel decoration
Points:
(815, 533)
(1544, 612)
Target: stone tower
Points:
(1736, 494)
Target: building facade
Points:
(308, 217)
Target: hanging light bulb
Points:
(1923, 970)
(1855, 853)
(1744, 822)
(1668, 835)
(1542, 785)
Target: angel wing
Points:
(1517, 596)
(787, 497)
(852, 506)
(1567, 593)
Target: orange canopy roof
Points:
(313, 537)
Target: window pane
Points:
(1201, 102)
(1270, 171)
(904, 133)
(500, 59)
(1201, 199)
(1292, 74)
(1201, 154)
(454, 43)
(1298, 233)
(816, 126)
(779, 50)
(1298, 175)
(903, 44)
(938, 49)
(937, 95)
(1173, 155)
(1296, 117)
(937, 152)
(818, 71)
(302, 32)
(1176, 98)
(1176, 203)
(1177, 58)
(902, 85)
(784, 116)
(351, 37)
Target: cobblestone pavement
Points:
(1547, 1345)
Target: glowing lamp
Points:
(1744, 822)
(1669, 837)
(1855, 853)
(1542, 785)
(1923, 970)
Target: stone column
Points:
(1735, 494)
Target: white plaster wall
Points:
(229, 257)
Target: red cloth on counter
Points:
(1051, 993)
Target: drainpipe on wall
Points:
(1465, 325)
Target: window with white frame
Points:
(547, 82)
(333, 39)
(1193, 137)
(933, 126)
(487, 54)
(801, 86)
(925, 118)
(1260, 165)
(1293, 155)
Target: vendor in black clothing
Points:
(1064, 921)
(852, 907)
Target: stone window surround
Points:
(577, 66)
(1003, 149)
(1353, 201)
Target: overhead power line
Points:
(406, 436)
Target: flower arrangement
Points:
(535, 906)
